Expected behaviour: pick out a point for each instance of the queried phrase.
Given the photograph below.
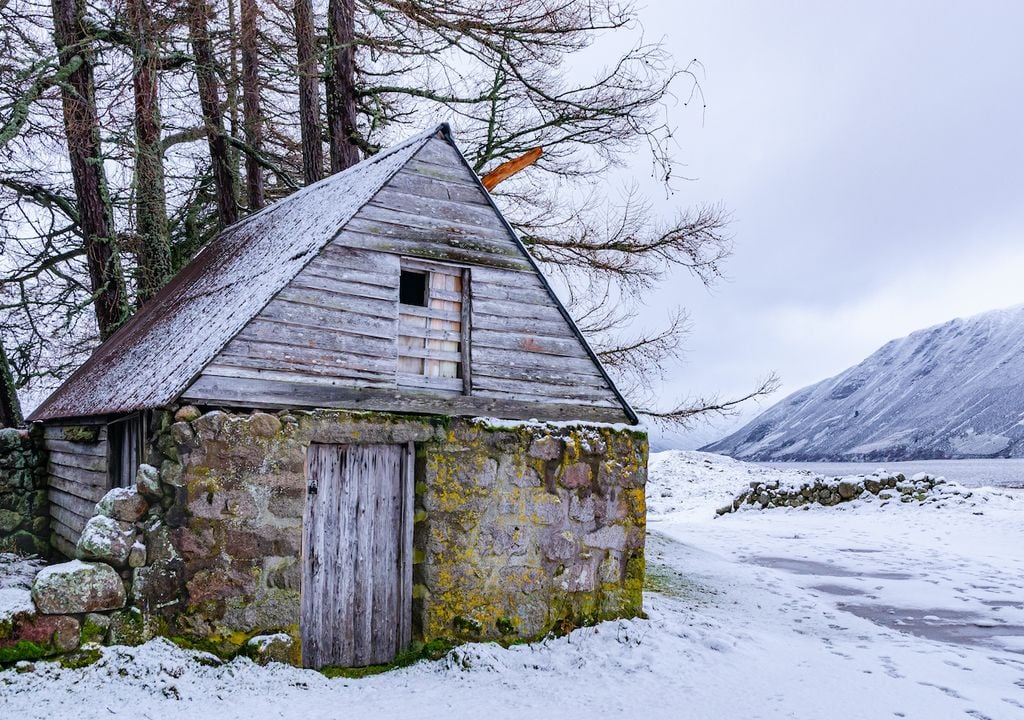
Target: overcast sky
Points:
(872, 157)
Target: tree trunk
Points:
(10, 408)
(209, 101)
(341, 90)
(253, 120)
(154, 251)
(81, 125)
(309, 93)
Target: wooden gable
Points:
(330, 337)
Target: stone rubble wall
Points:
(24, 506)
(519, 531)
(922, 488)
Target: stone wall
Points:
(519, 530)
(880, 486)
(24, 508)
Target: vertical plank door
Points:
(357, 555)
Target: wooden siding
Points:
(329, 338)
(77, 475)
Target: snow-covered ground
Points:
(854, 611)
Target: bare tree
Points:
(10, 408)
(86, 157)
(209, 99)
(153, 266)
(251, 102)
(341, 90)
(309, 92)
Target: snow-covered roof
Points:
(157, 354)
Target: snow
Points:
(16, 574)
(503, 424)
(861, 612)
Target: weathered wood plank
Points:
(429, 187)
(443, 384)
(86, 461)
(430, 354)
(246, 393)
(71, 519)
(411, 242)
(262, 375)
(521, 389)
(347, 559)
(355, 306)
(443, 173)
(375, 219)
(98, 449)
(460, 213)
(340, 255)
(310, 630)
(90, 493)
(323, 281)
(529, 343)
(414, 311)
(529, 361)
(282, 332)
(72, 503)
(511, 308)
(513, 323)
(406, 544)
(466, 346)
(520, 293)
(539, 376)
(409, 329)
(78, 475)
(340, 318)
(316, 368)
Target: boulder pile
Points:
(878, 487)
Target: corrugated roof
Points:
(153, 358)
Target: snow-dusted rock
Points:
(124, 504)
(106, 540)
(279, 647)
(147, 482)
(137, 555)
(77, 587)
(187, 413)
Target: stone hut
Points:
(358, 420)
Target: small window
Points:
(433, 327)
(412, 289)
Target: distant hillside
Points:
(955, 390)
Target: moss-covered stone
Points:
(82, 433)
(491, 503)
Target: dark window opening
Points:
(126, 441)
(412, 288)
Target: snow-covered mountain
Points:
(955, 390)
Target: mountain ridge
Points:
(953, 390)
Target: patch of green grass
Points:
(433, 650)
(24, 650)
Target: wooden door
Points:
(357, 555)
